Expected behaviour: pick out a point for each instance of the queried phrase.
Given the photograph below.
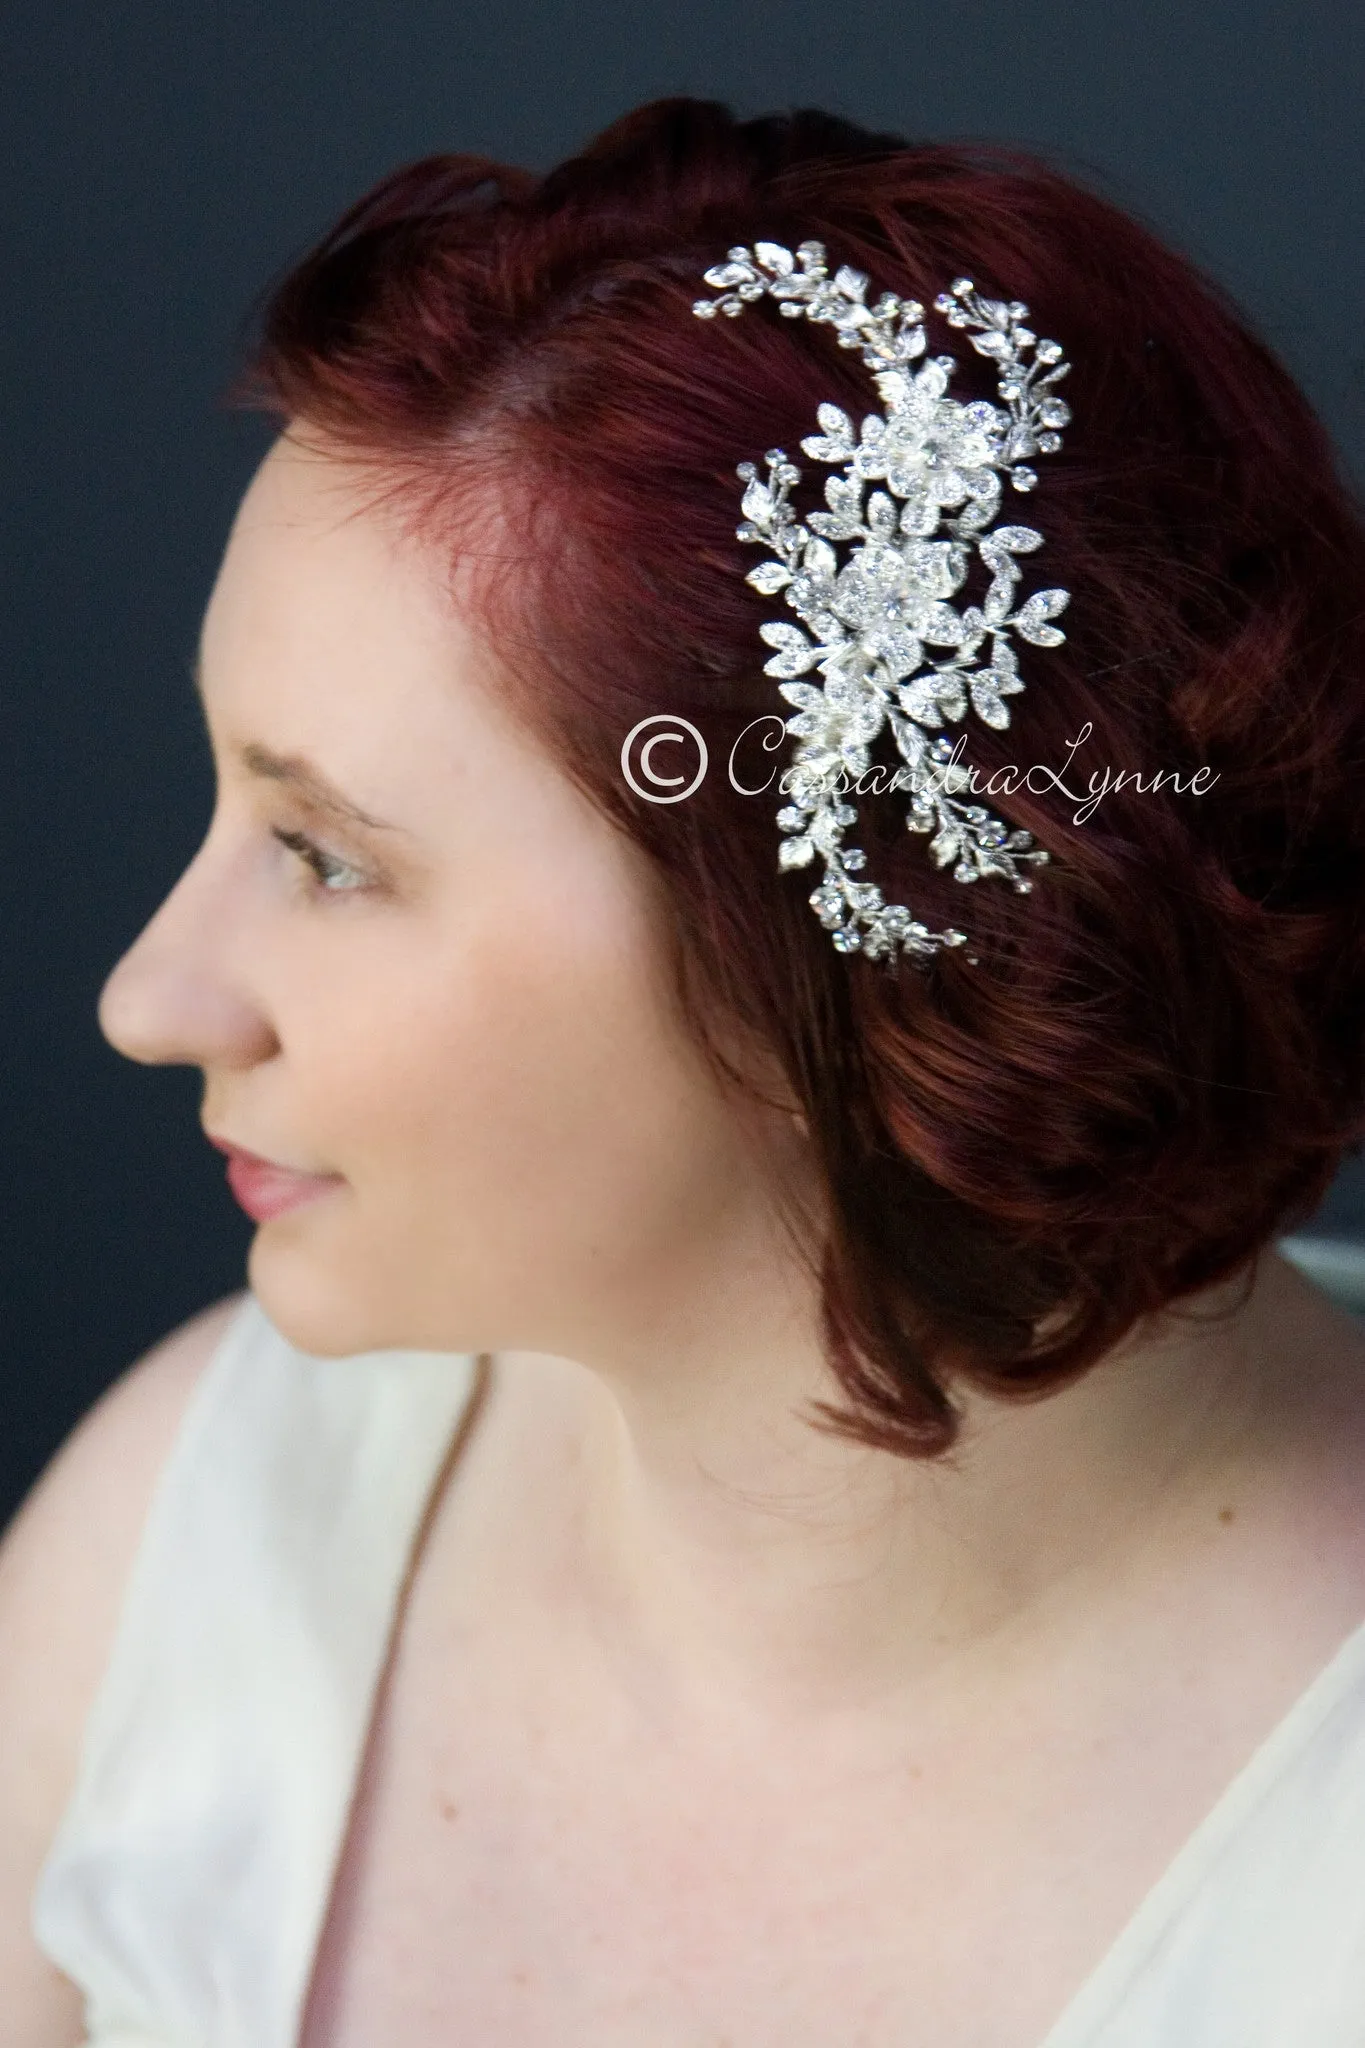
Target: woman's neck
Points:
(722, 1545)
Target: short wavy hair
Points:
(1157, 1065)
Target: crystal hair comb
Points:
(880, 627)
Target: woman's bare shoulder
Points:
(64, 1564)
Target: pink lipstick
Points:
(266, 1189)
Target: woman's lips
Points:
(265, 1189)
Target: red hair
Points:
(1157, 1065)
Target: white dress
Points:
(186, 1887)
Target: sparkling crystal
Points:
(795, 853)
(874, 621)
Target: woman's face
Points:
(469, 1020)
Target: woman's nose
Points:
(176, 998)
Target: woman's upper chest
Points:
(532, 1861)
(539, 1853)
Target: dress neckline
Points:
(1194, 1862)
(1122, 1962)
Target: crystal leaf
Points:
(844, 494)
(726, 275)
(940, 625)
(1002, 681)
(992, 344)
(852, 283)
(893, 387)
(778, 633)
(825, 833)
(774, 257)
(769, 577)
(986, 701)
(920, 700)
(997, 604)
(757, 502)
(795, 853)
(952, 698)
(836, 525)
(944, 848)
(1030, 618)
(796, 653)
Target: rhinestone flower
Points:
(916, 498)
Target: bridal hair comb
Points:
(880, 627)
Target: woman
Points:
(763, 1490)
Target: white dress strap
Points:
(185, 1887)
(1254, 1937)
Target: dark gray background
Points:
(161, 164)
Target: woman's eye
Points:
(335, 877)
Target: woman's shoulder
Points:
(65, 1560)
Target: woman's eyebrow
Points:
(301, 775)
(310, 782)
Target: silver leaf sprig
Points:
(918, 492)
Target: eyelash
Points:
(323, 865)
